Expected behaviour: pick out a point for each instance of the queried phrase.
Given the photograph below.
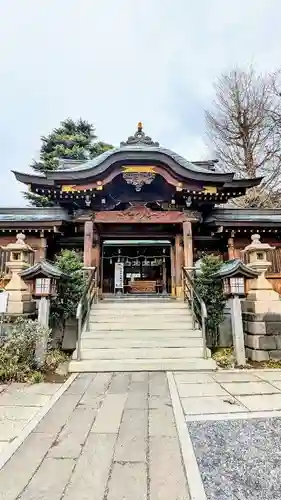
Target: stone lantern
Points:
(234, 274)
(261, 308)
(43, 277)
(260, 287)
(20, 300)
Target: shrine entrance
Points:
(145, 266)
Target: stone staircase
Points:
(141, 333)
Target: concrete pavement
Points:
(19, 403)
(109, 436)
(146, 436)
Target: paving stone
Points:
(18, 412)
(9, 429)
(225, 376)
(98, 386)
(91, 401)
(159, 402)
(49, 481)
(158, 385)
(81, 383)
(162, 422)
(16, 386)
(128, 482)
(58, 414)
(109, 415)
(120, 383)
(137, 400)
(22, 398)
(3, 388)
(200, 390)
(193, 378)
(20, 468)
(274, 375)
(166, 473)
(94, 394)
(73, 436)
(217, 404)
(140, 377)
(44, 388)
(132, 439)
(3, 445)
(247, 388)
(276, 383)
(140, 387)
(261, 402)
(90, 476)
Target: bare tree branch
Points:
(245, 128)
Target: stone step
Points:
(138, 298)
(141, 324)
(137, 365)
(125, 319)
(141, 334)
(106, 343)
(116, 313)
(143, 353)
(145, 305)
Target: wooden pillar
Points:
(43, 246)
(164, 276)
(88, 242)
(179, 264)
(187, 244)
(96, 255)
(231, 246)
(173, 270)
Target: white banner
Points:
(119, 275)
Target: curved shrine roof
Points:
(141, 149)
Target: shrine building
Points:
(143, 205)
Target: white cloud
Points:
(115, 63)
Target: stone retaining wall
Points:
(262, 335)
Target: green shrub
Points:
(211, 291)
(53, 359)
(17, 352)
(69, 291)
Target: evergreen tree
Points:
(73, 140)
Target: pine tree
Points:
(73, 140)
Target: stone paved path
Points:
(233, 421)
(226, 392)
(19, 403)
(108, 437)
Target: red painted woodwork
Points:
(140, 214)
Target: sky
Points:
(117, 62)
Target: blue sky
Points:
(117, 62)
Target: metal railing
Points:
(196, 304)
(90, 294)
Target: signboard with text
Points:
(119, 275)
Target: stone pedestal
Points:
(20, 300)
(261, 309)
(237, 331)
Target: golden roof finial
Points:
(139, 126)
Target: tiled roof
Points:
(237, 215)
(43, 268)
(33, 214)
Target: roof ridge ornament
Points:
(139, 137)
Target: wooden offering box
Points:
(142, 286)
